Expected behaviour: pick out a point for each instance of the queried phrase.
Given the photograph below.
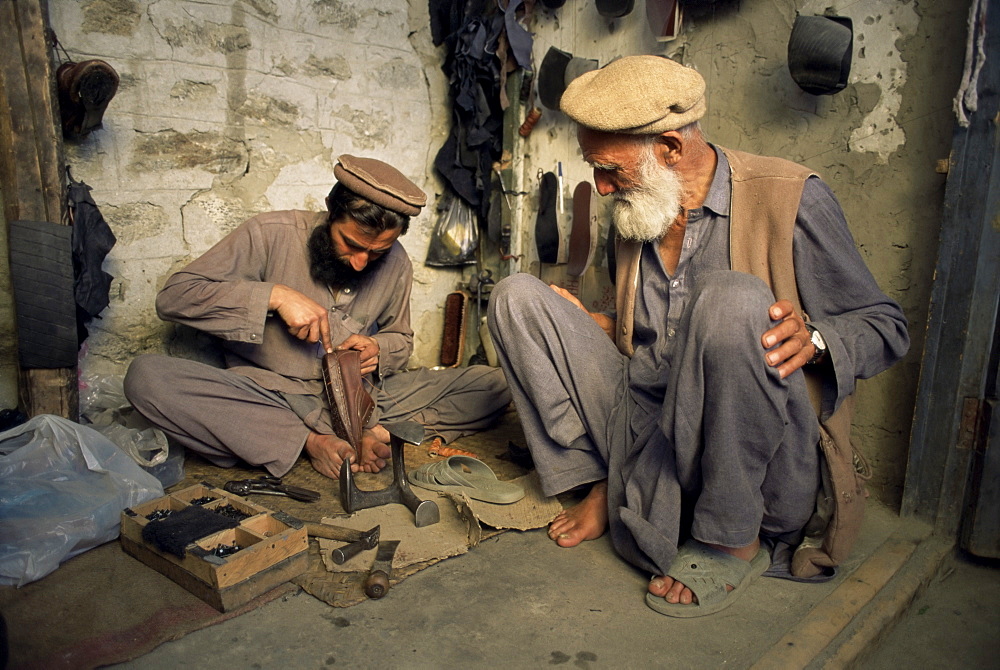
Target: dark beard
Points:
(326, 268)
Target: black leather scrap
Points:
(173, 534)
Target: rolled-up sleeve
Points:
(865, 330)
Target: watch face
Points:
(818, 340)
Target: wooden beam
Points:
(31, 175)
(963, 312)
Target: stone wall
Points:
(230, 108)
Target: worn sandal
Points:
(464, 474)
(707, 572)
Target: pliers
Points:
(269, 485)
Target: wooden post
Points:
(31, 176)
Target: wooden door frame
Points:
(31, 158)
(950, 411)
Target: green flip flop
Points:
(707, 572)
(464, 474)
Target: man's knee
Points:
(728, 306)
(732, 296)
(513, 289)
(145, 377)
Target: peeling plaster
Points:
(170, 149)
(343, 14)
(207, 36)
(111, 17)
(266, 109)
(133, 221)
(370, 130)
(878, 25)
(209, 216)
(397, 75)
(336, 67)
(193, 91)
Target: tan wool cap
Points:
(381, 183)
(636, 95)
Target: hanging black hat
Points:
(819, 53)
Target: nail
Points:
(656, 583)
(769, 340)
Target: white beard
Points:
(646, 212)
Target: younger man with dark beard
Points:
(688, 416)
(280, 291)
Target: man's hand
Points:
(368, 346)
(795, 347)
(306, 319)
(603, 320)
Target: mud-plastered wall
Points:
(228, 108)
(877, 143)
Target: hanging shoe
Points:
(613, 9)
(583, 234)
(552, 77)
(85, 89)
(547, 222)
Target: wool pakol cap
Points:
(636, 95)
(381, 183)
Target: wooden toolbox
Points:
(268, 548)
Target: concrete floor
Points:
(518, 600)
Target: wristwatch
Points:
(818, 343)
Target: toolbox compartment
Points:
(270, 551)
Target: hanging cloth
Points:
(92, 240)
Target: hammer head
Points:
(369, 538)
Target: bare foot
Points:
(673, 591)
(327, 453)
(587, 520)
(381, 434)
(374, 451)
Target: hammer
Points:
(358, 540)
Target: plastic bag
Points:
(456, 234)
(62, 489)
(103, 405)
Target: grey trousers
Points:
(731, 454)
(226, 417)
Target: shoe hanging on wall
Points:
(85, 89)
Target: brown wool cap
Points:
(636, 95)
(381, 183)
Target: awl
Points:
(377, 583)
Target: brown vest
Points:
(765, 199)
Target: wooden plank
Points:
(962, 313)
(228, 598)
(271, 552)
(982, 533)
(31, 167)
(40, 83)
(807, 639)
(51, 391)
(28, 202)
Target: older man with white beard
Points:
(686, 415)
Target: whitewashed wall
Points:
(231, 108)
